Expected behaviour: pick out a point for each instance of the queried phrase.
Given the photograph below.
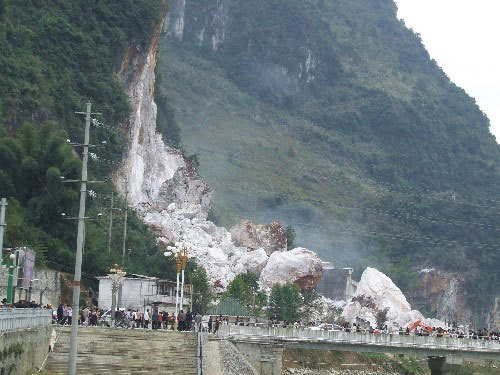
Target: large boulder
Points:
(270, 237)
(300, 266)
(253, 261)
(376, 292)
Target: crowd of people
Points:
(24, 304)
(187, 321)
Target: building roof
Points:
(229, 307)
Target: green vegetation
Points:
(245, 289)
(331, 117)
(55, 56)
(202, 294)
(285, 302)
(290, 237)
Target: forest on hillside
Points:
(55, 57)
(330, 116)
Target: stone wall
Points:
(24, 350)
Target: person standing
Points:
(154, 324)
(60, 313)
(197, 322)
(160, 320)
(85, 315)
(146, 319)
(216, 328)
(182, 321)
(70, 315)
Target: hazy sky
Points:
(463, 36)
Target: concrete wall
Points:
(267, 359)
(27, 349)
(49, 281)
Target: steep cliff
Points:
(165, 189)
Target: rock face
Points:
(376, 292)
(174, 201)
(270, 237)
(442, 293)
(300, 266)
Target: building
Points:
(140, 292)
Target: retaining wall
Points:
(23, 351)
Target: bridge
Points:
(445, 354)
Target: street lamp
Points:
(12, 258)
(116, 275)
(180, 251)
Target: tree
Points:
(290, 237)
(202, 294)
(245, 289)
(285, 302)
(310, 304)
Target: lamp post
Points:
(12, 257)
(180, 251)
(116, 275)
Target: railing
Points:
(14, 319)
(359, 338)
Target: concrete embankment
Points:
(23, 351)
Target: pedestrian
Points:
(60, 314)
(216, 328)
(159, 320)
(137, 319)
(210, 323)
(146, 319)
(70, 315)
(154, 325)
(197, 322)
(85, 315)
(181, 319)
(189, 321)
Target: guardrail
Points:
(356, 338)
(14, 319)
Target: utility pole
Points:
(3, 207)
(119, 304)
(110, 222)
(79, 244)
(125, 230)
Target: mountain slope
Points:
(55, 56)
(329, 115)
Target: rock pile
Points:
(377, 293)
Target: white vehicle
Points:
(326, 327)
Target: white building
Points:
(139, 292)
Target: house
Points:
(140, 292)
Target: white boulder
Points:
(300, 266)
(376, 292)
